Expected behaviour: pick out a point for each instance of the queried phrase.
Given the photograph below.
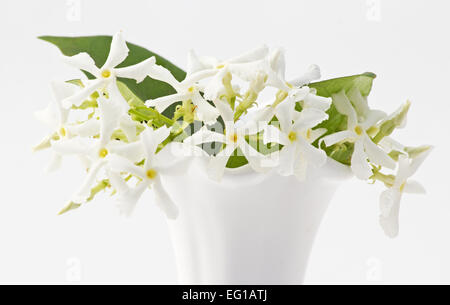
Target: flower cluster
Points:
(244, 105)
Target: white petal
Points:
(205, 136)
(85, 191)
(252, 55)
(418, 160)
(309, 118)
(313, 73)
(132, 151)
(300, 167)
(414, 187)
(162, 103)
(215, 86)
(257, 161)
(344, 106)
(299, 94)
(377, 155)
(359, 164)
(138, 71)
(372, 118)
(89, 128)
(127, 201)
(48, 117)
(117, 97)
(78, 98)
(152, 138)
(117, 53)
(86, 162)
(274, 135)
(110, 114)
(225, 111)
(160, 73)
(121, 164)
(194, 64)
(337, 137)
(250, 127)
(82, 61)
(117, 182)
(278, 63)
(196, 77)
(129, 128)
(163, 200)
(61, 91)
(403, 171)
(264, 115)
(360, 103)
(248, 71)
(287, 157)
(172, 159)
(313, 155)
(317, 133)
(205, 112)
(389, 144)
(217, 164)
(55, 163)
(285, 115)
(318, 102)
(74, 146)
(390, 202)
(388, 199)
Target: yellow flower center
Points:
(103, 153)
(191, 89)
(151, 174)
(234, 138)
(292, 136)
(106, 73)
(220, 66)
(358, 130)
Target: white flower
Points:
(313, 73)
(364, 148)
(274, 67)
(197, 64)
(106, 75)
(187, 90)
(219, 69)
(96, 151)
(390, 199)
(156, 166)
(56, 118)
(296, 136)
(305, 96)
(234, 137)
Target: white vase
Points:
(250, 228)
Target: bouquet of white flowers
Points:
(136, 118)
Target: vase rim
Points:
(332, 171)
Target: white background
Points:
(404, 42)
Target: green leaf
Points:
(329, 87)
(237, 159)
(98, 48)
